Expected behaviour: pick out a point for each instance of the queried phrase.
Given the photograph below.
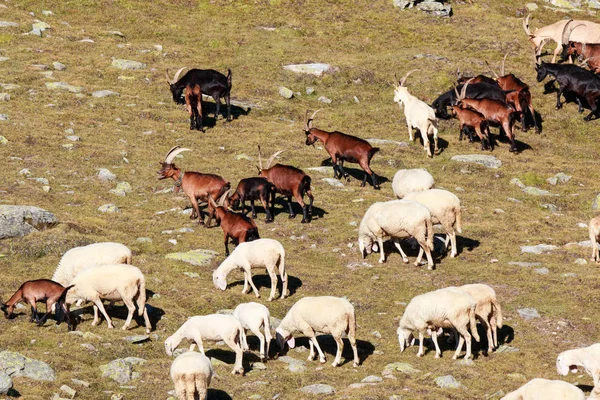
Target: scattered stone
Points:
(192, 274)
(596, 203)
(541, 271)
(294, 365)
(58, 66)
(528, 313)
(314, 69)
(3, 140)
(525, 264)
(9, 86)
(531, 6)
(285, 92)
(199, 257)
(582, 225)
(46, 188)
(448, 382)
(121, 189)
(377, 334)
(323, 170)
(116, 33)
(374, 141)
(310, 90)
(550, 207)
(23, 220)
(485, 160)
(569, 4)
(431, 57)
(325, 100)
(3, 117)
(15, 365)
(106, 175)
(517, 376)
(172, 241)
(2, 59)
(127, 64)
(259, 366)
(80, 382)
(38, 67)
(137, 338)
(89, 347)
(569, 275)
(25, 172)
(104, 93)
(318, 389)
(5, 383)
(73, 138)
(121, 369)
(581, 261)
(43, 181)
(559, 178)
(537, 192)
(8, 24)
(244, 157)
(68, 146)
(4, 97)
(68, 390)
(41, 26)
(405, 368)
(498, 211)
(372, 379)
(538, 249)
(63, 86)
(333, 182)
(109, 208)
(466, 361)
(359, 385)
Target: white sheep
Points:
(268, 253)
(397, 219)
(213, 327)
(546, 389)
(595, 237)
(191, 373)
(78, 258)
(254, 316)
(443, 308)
(586, 357)
(411, 180)
(445, 210)
(418, 115)
(118, 282)
(326, 314)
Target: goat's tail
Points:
(473, 323)
(372, 152)
(497, 312)
(252, 234)
(141, 299)
(229, 78)
(63, 295)
(304, 185)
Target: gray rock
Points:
(506, 349)
(3, 117)
(528, 313)
(405, 368)
(43, 181)
(109, 208)
(41, 26)
(106, 175)
(448, 382)
(63, 86)
(38, 67)
(333, 182)
(199, 257)
(285, 92)
(120, 370)
(144, 240)
(244, 157)
(68, 390)
(293, 364)
(104, 93)
(569, 275)
(325, 100)
(192, 274)
(3, 140)
(89, 347)
(80, 382)
(137, 338)
(593, 4)
(401, 4)
(121, 189)
(541, 271)
(314, 69)
(318, 389)
(58, 66)
(15, 365)
(127, 64)
(525, 264)
(466, 361)
(322, 170)
(310, 90)
(73, 138)
(538, 249)
(4, 97)
(537, 192)
(5, 383)
(68, 146)
(531, 6)
(485, 160)
(2, 59)
(581, 261)
(596, 203)
(435, 8)
(568, 4)
(374, 141)
(9, 86)
(550, 207)
(372, 379)
(559, 178)
(23, 220)
(582, 225)
(8, 24)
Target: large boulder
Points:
(15, 364)
(23, 220)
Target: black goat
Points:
(571, 78)
(474, 91)
(212, 83)
(254, 189)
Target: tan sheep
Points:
(586, 357)
(191, 373)
(595, 237)
(538, 389)
(411, 180)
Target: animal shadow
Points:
(264, 281)
(209, 108)
(283, 209)
(356, 173)
(329, 347)
(216, 394)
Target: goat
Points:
(236, 226)
(495, 111)
(211, 82)
(571, 78)
(193, 101)
(288, 181)
(40, 290)
(342, 147)
(581, 50)
(418, 115)
(470, 119)
(254, 189)
(479, 90)
(593, 63)
(195, 185)
(477, 79)
(589, 33)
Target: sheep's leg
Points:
(461, 341)
(256, 330)
(397, 244)
(96, 320)
(494, 327)
(239, 353)
(249, 274)
(273, 276)
(352, 340)
(452, 236)
(338, 353)
(131, 309)
(488, 331)
(180, 388)
(322, 358)
(245, 289)
(421, 351)
(190, 387)
(311, 354)
(99, 304)
(197, 340)
(410, 133)
(382, 253)
(427, 253)
(284, 285)
(434, 132)
(438, 353)
(464, 333)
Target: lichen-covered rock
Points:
(285, 92)
(104, 93)
(63, 86)
(485, 160)
(314, 69)
(23, 220)
(127, 64)
(447, 382)
(528, 313)
(109, 208)
(197, 257)
(121, 370)
(5, 383)
(318, 389)
(15, 365)
(333, 182)
(405, 368)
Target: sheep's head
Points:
(563, 365)
(169, 348)
(282, 337)
(405, 338)
(219, 280)
(366, 245)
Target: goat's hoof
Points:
(303, 221)
(334, 364)
(292, 216)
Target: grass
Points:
(368, 42)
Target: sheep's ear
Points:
(440, 331)
(291, 342)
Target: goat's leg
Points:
(226, 241)
(196, 212)
(343, 171)
(292, 213)
(228, 102)
(508, 129)
(34, 316)
(310, 201)
(560, 91)
(579, 105)
(460, 133)
(252, 208)
(265, 205)
(410, 132)
(199, 125)
(305, 216)
(217, 107)
(592, 103)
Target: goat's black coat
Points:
(211, 82)
(474, 91)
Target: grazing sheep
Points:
(78, 258)
(445, 210)
(268, 253)
(595, 238)
(398, 219)
(191, 373)
(411, 180)
(213, 327)
(254, 316)
(586, 357)
(443, 308)
(546, 389)
(118, 282)
(326, 314)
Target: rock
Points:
(485, 160)
(9, 86)
(259, 366)
(120, 370)
(570, 4)
(192, 274)
(104, 93)
(322, 170)
(581, 261)
(58, 66)
(68, 146)
(4, 97)
(285, 92)
(325, 100)
(359, 385)
(109, 208)
(294, 365)
(116, 33)
(41, 26)
(466, 361)
(137, 338)
(531, 6)
(372, 379)
(105, 175)
(431, 57)
(506, 349)
(541, 271)
(23, 220)
(2, 59)
(385, 141)
(199, 257)
(318, 389)
(314, 69)
(448, 382)
(582, 225)
(8, 24)
(569, 275)
(538, 249)
(596, 203)
(121, 189)
(377, 334)
(310, 90)
(528, 313)
(73, 138)
(537, 192)
(68, 390)
(550, 207)
(435, 8)
(405, 368)
(89, 347)
(559, 178)
(127, 64)
(333, 182)
(15, 365)
(38, 67)
(593, 4)
(80, 382)
(3, 140)
(5, 383)
(3, 117)
(525, 264)
(63, 86)
(43, 181)
(244, 157)
(498, 211)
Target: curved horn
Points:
(463, 92)
(457, 94)
(526, 25)
(224, 197)
(567, 32)
(504, 62)
(176, 77)
(172, 155)
(406, 76)
(491, 70)
(273, 157)
(170, 151)
(584, 62)
(309, 121)
(168, 78)
(259, 160)
(211, 202)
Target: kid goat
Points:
(252, 189)
(236, 226)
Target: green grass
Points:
(368, 42)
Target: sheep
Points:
(212, 327)
(546, 389)
(586, 357)
(411, 180)
(595, 237)
(327, 314)
(253, 316)
(78, 258)
(268, 253)
(445, 210)
(191, 373)
(116, 282)
(397, 219)
(443, 308)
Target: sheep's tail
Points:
(128, 258)
(473, 324)
(458, 225)
(429, 233)
(141, 299)
(497, 312)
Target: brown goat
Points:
(236, 226)
(289, 181)
(40, 290)
(193, 103)
(252, 189)
(593, 64)
(342, 147)
(195, 185)
(470, 119)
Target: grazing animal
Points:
(288, 181)
(594, 231)
(254, 316)
(236, 226)
(586, 357)
(195, 185)
(193, 102)
(254, 189)
(38, 291)
(342, 147)
(418, 115)
(210, 82)
(191, 373)
(470, 119)
(479, 90)
(327, 314)
(589, 53)
(411, 180)
(546, 389)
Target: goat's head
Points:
(401, 91)
(310, 137)
(176, 90)
(7, 310)
(568, 46)
(263, 172)
(570, 49)
(234, 200)
(542, 71)
(167, 167)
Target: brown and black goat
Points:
(252, 189)
(37, 291)
(193, 102)
(342, 147)
(236, 226)
(195, 185)
(470, 119)
(289, 181)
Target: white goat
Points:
(443, 308)
(191, 373)
(78, 258)
(118, 282)
(418, 115)
(411, 180)
(254, 316)
(213, 327)
(268, 253)
(595, 237)
(537, 389)
(326, 314)
(397, 219)
(445, 210)
(586, 357)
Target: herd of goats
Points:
(103, 271)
